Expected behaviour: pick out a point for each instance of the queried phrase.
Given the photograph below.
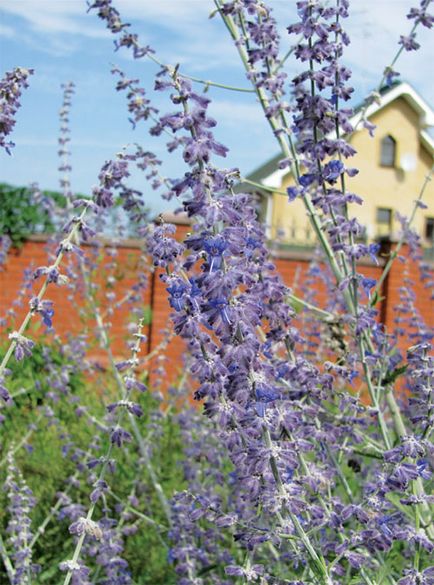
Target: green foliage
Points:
(44, 465)
(46, 469)
(391, 377)
(20, 216)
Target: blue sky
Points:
(63, 43)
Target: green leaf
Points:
(147, 315)
(392, 376)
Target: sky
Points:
(62, 42)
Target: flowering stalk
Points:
(86, 526)
(288, 148)
(20, 503)
(19, 343)
(304, 181)
(11, 87)
(123, 390)
(112, 17)
(110, 177)
(64, 140)
(236, 379)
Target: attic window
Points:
(388, 151)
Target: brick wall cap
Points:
(307, 255)
(183, 219)
(180, 218)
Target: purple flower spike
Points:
(11, 87)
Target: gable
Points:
(400, 110)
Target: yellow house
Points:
(393, 167)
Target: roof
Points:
(270, 175)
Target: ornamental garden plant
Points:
(296, 447)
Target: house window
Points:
(388, 151)
(429, 229)
(384, 216)
(384, 221)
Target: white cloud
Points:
(181, 32)
(194, 39)
(6, 31)
(54, 16)
(200, 44)
(70, 16)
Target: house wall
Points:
(391, 188)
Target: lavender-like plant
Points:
(291, 476)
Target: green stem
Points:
(121, 386)
(325, 315)
(288, 151)
(318, 560)
(137, 512)
(41, 293)
(205, 82)
(124, 395)
(6, 561)
(263, 187)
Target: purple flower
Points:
(368, 284)
(51, 273)
(421, 15)
(250, 574)
(86, 526)
(292, 193)
(423, 469)
(332, 171)
(119, 436)
(4, 393)
(409, 43)
(162, 246)
(414, 577)
(307, 179)
(131, 407)
(373, 250)
(79, 571)
(100, 487)
(23, 345)
(44, 308)
(177, 297)
(217, 311)
(215, 249)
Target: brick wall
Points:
(69, 305)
